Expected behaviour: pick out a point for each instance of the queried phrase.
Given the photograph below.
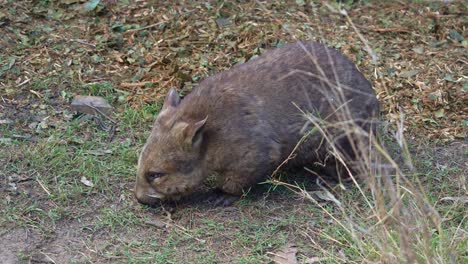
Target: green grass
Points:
(62, 156)
(266, 219)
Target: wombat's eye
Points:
(152, 175)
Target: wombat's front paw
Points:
(220, 198)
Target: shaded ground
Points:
(131, 53)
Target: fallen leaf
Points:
(418, 50)
(286, 255)
(449, 78)
(313, 260)
(300, 2)
(223, 22)
(75, 141)
(437, 44)
(90, 5)
(33, 125)
(439, 113)
(408, 74)
(86, 182)
(69, 2)
(455, 35)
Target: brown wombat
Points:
(241, 124)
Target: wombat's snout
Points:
(147, 196)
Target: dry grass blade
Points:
(400, 219)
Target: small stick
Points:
(23, 83)
(143, 28)
(84, 43)
(43, 186)
(137, 84)
(162, 224)
(48, 258)
(393, 29)
(35, 93)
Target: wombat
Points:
(242, 124)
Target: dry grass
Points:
(394, 222)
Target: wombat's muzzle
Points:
(148, 200)
(148, 197)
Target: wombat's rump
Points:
(241, 124)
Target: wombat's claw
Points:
(219, 198)
(226, 200)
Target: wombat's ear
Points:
(194, 133)
(172, 99)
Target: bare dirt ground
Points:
(132, 52)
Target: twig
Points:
(43, 186)
(23, 82)
(84, 42)
(162, 224)
(185, 231)
(147, 27)
(48, 258)
(23, 180)
(158, 223)
(39, 95)
(137, 84)
(392, 29)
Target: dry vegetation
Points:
(132, 52)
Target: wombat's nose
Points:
(145, 199)
(148, 200)
(148, 197)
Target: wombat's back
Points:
(272, 92)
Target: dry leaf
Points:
(86, 182)
(408, 74)
(156, 223)
(313, 260)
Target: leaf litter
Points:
(145, 47)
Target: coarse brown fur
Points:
(243, 123)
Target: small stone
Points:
(5, 122)
(33, 125)
(89, 104)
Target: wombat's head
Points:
(169, 164)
